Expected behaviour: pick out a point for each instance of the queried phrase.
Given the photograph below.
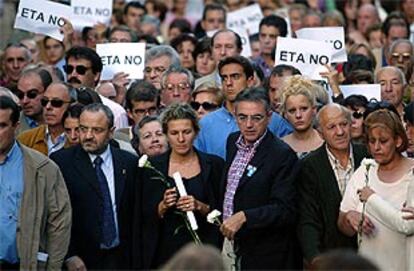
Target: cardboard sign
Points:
(247, 50)
(91, 12)
(122, 57)
(42, 17)
(335, 36)
(368, 90)
(248, 18)
(306, 55)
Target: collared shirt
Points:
(261, 63)
(343, 175)
(218, 125)
(11, 192)
(108, 169)
(243, 156)
(59, 142)
(31, 122)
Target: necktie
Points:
(108, 221)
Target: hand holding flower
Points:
(365, 193)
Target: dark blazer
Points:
(267, 197)
(153, 191)
(319, 200)
(86, 199)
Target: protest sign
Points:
(368, 90)
(248, 18)
(91, 12)
(42, 17)
(244, 36)
(122, 57)
(335, 36)
(308, 56)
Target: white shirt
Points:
(108, 169)
(120, 115)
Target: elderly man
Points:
(157, 60)
(322, 181)
(392, 81)
(30, 88)
(237, 75)
(177, 84)
(35, 211)
(98, 177)
(258, 195)
(50, 137)
(402, 56)
(15, 58)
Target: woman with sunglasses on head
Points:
(206, 99)
(164, 231)
(298, 106)
(357, 104)
(377, 186)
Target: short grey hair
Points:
(398, 42)
(254, 94)
(162, 50)
(345, 111)
(392, 68)
(177, 69)
(98, 107)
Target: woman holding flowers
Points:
(384, 181)
(164, 210)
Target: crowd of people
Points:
(300, 174)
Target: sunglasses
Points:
(357, 114)
(31, 94)
(206, 105)
(80, 69)
(54, 103)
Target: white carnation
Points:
(143, 160)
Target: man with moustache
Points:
(322, 181)
(30, 88)
(83, 69)
(50, 137)
(98, 178)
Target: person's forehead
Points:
(388, 74)
(152, 126)
(88, 117)
(231, 68)
(163, 61)
(214, 13)
(50, 42)
(225, 38)
(332, 115)
(250, 107)
(14, 52)
(121, 33)
(135, 10)
(403, 47)
(84, 61)
(143, 104)
(57, 91)
(30, 79)
(175, 76)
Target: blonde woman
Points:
(299, 108)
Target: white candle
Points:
(181, 190)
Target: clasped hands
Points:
(185, 203)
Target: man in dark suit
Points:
(322, 181)
(98, 177)
(258, 192)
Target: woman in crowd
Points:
(185, 44)
(389, 176)
(357, 104)
(149, 138)
(204, 62)
(164, 231)
(206, 99)
(299, 108)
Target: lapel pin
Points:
(123, 171)
(251, 170)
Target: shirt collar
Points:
(60, 139)
(12, 152)
(334, 161)
(106, 156)
(31, 122)
(242, 145)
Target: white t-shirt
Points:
(385, 247)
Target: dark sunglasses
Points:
(55, 102)
(357, 114)
(31, 94)
(206, 105)
(80, 69)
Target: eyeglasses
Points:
(357, 114)
(80, 69)
(57, 103)
(206, 105)
(404, 55)
(150, 111)
(180, 87)
(31, 94)
(253, 118)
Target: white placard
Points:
(308, 56)
(247, 50)
(122, 57)
(42, 17)
(248, 18)
(91, 12)
(332, 35)
(368, 90)
(181, 190)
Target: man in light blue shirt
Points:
(237, 74)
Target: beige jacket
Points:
(45, 216)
